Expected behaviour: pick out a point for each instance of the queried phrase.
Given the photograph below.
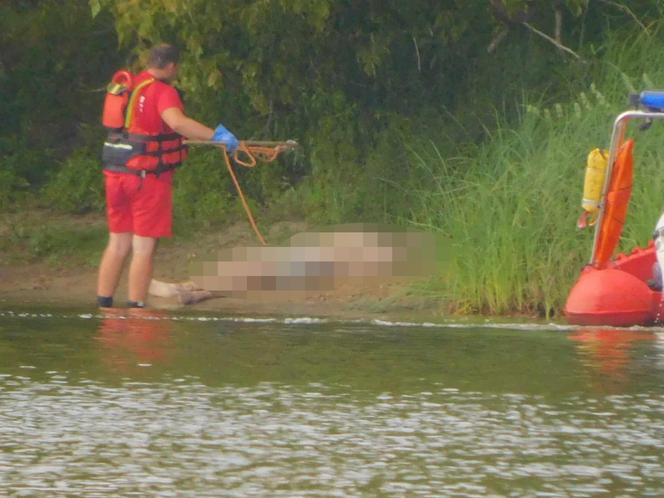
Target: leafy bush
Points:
(12, 188)
(77, 187)
(202, 194)
(54, 58)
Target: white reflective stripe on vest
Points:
(118, 146)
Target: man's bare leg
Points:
(140, 269)
(112, 262)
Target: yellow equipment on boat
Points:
(592, 186)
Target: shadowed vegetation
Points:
(471, 119)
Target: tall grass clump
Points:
(630, 68)
(509, 215)
(508, 205)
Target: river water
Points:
(174, 404)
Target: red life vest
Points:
(129, 149)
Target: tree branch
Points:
(417, 53)
(629, 12)
(551, 40)
(497, 39)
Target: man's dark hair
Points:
(163, 54)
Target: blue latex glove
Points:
(222, 135)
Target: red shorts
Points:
(142, 206)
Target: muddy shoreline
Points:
(40, 287)
(70, 282)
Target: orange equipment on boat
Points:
(596, 166)
(616, 204)
(616, 290)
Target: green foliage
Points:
(52, 58)
(509, 217)
(274, 67)
(437, 113)
(77, 187)
(203, 193)
(508, 206)
(55, 241)
(11, 189)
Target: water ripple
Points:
(303, 320)
(184, 438)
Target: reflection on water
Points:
(145, 404)
(608, 352)
(134, 337)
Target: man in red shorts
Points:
(139, 183)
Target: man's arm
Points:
(185, 126)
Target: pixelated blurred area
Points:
(319, 261)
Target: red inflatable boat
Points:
(617, 294)
(615, 291)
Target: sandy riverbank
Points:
(49, 284)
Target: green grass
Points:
(56, 242)
(505, 200)
(508, 206)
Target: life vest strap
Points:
(164, 137)
(122, 134)
(161, 151)
(139, 153)
(121, 147)
(162, 168)
(129, 117)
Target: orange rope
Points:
(247, 155)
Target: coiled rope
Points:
(248, 154)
